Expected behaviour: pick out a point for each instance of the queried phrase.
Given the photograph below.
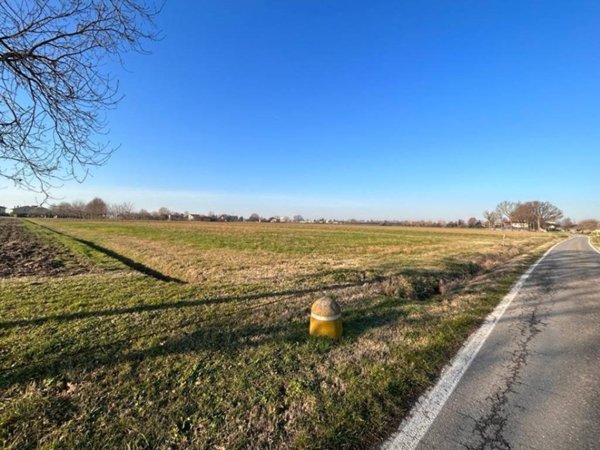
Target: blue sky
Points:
(380, 109)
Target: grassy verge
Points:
(596, 240)
(122, 359)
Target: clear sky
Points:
(379, 109)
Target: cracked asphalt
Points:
(535, 383)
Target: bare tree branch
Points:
(53, 91)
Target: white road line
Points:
(592, 245)
(413, 428)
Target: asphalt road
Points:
(535, 383)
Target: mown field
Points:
(195, 335)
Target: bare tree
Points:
(473, 222)
(54, 89)
(506, 209)
(114, 210)
(96, 208)
(144, 215)
(491, 217)
(121, 210)
(523, 214)
(537, 214)
(78, 208)
(63, 209)
(163, 213)
(127, 210)
(544, 212)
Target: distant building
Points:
(507, 224)
(228, 218)
(552, 226)
(520, 226)
(2, 210)
(31, 211)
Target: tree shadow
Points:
(190, 303)
(132, 264)
(217, 336)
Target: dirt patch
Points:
(22, 254)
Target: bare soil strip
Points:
(23, 254)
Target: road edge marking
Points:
(417, 423)
(592, 245)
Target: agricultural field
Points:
(195, 335)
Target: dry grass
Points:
(596, 240)
(249, 254)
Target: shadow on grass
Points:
(225, 334)
(217, 336)
(132, 264)
(193, 303)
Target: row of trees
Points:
(533, 215)
(98, 208)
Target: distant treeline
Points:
(532, 215)
(99, 209)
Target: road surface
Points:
(535, 382)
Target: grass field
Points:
(194, 335)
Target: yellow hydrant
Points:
(326, 318)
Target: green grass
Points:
(82, 253)
(118, 358)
